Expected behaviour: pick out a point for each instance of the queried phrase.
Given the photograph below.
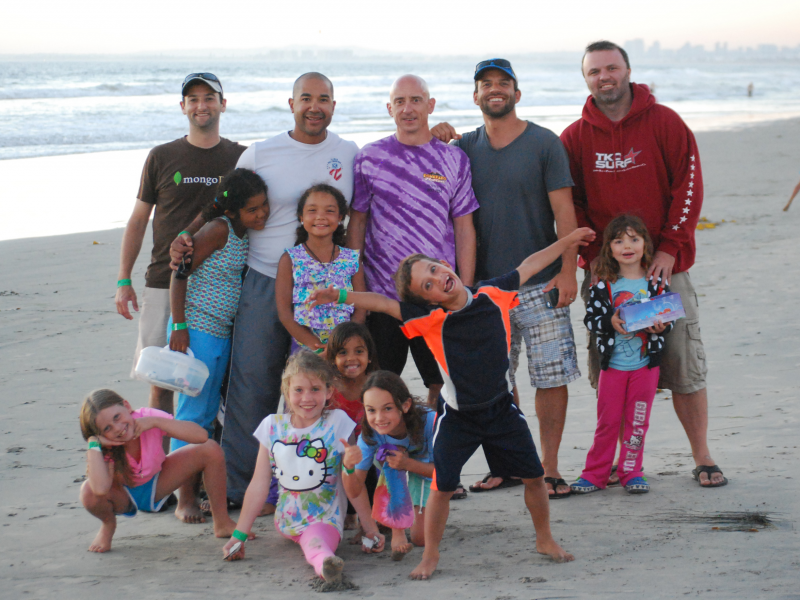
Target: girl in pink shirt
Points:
(127, 469)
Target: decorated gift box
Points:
(644, 313)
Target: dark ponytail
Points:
(233, 192)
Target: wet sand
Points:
(60, 337)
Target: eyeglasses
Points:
(493, 62)
(209, 76)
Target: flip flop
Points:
(708, 471)
(555, 482)
(459, 495)
(507, 482)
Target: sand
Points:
(61, 337)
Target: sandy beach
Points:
(61, 337)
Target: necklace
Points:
(328, 265)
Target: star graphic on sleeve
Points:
(691, 184)
(683, 219)
(675, 227)
(692, 167)
(692, 157)
(688, 202)
(689, 192)
(691, 175)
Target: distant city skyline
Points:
(438, 27)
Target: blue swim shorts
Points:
(143, 497)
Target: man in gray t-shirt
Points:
(521, 178)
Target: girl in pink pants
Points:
(628, 360)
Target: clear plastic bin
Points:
(171, 370)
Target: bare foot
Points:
(332, 569)
(489, 484)
(205, 506)
(102, 541)
(351, 522)
(190, 513)
(223, 528)
(426, 566)
(554, 551)
(267, 509)
(400, 545)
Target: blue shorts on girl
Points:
(418, 486)
(212, 298)
(144, 472)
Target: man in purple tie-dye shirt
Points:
(412, 193)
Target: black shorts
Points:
(502, 431)
(393, 346)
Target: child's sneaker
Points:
(637, 485)
(583, 487)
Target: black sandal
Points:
(555, 482)
(507, 482)
(708, 471)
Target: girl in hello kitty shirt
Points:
(303, 450)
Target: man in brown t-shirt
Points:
(179, 178)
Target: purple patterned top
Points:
(412, 195)
(309, 274)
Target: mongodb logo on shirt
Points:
(178, 179)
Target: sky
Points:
(418, 26)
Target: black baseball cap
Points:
(209, 79)
(494, 63)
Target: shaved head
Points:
(298, 84)
(410, 80)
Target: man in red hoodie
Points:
(629, 154)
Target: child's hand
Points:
(179, 340)
(142, 424)
(582, 236)
(659, 327)
(107, 443)
(227, 548)
(327, 296)
(352, 455)
(398, 459)
(378, 538)
(618, 324)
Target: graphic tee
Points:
(412, 194)
(180, 179)
(307, 464)
(289, 168)
(630, 350)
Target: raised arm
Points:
(186, 431)
(539, 260)
(366, 300)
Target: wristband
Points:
(342, 296)
(242, 537)
(179, 326)
(123, 282)
(94, 444)
(319, 350)
(186, 232)
(348, 471)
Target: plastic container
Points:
(171, 370)
(640, 315)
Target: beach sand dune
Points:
(60, 337)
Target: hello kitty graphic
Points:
(300, 467)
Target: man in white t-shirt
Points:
(289, 163)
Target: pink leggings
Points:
(623, 396)
(318, 541)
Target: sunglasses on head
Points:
(209, 76)
(493, 62)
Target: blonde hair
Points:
(306, 363)
(93, 403)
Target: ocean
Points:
(56, 107)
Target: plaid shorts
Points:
(550, 343)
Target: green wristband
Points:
(95, 444)
(342, 296)
(242, 537)
(348, 471)
(319, 350)
(123, 282)
(179, 326)
(186, 232)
